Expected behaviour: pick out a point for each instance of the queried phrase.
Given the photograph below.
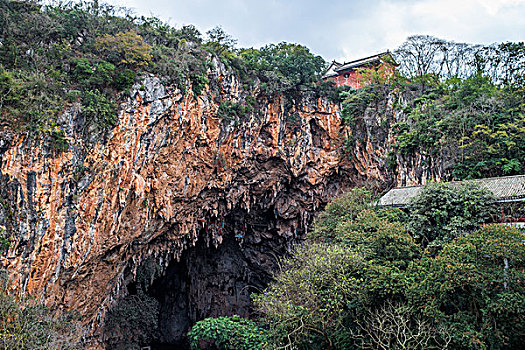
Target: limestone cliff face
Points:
(173, 181)
(374, 153)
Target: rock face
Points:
(212, 202)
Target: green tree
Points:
(475, 287)
(440, 212)
(340, 210)
(219, 41)
(379, 239)
(308, 303)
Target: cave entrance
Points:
(205, 282)
(212, 282)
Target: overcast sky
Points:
(344, 30)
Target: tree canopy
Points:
(367, 284)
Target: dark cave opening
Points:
(213, 282)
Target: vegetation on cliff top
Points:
(89, 54)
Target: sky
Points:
(344, 30)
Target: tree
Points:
(294, 62)
(190, 33)
(378, 239)
(420, 56)
(284, 66)
(475, 287)
(340, 210)
(440, 212)
(398, 326)
(126, 48)
(219, 41)
(308, 303)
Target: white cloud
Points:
(346, 29)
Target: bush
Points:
(99, 113)
(307, 305)
(26, 324)
(127, 49)
(379, 239)
(341, 210)
(227, 333)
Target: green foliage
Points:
(355, 102)
(219, 42)
(339, 211)
(231, 110)
(227, 333)
(132, 322)
(128, 49)
(307, 304)
(441, 212)
(92, 51)
(124, 79)
(198, 82)
(26, 324)
(378, 238)
(5, 240)
(480, 126)
(96, 75)
(475, 287)
(283, 67)
(372, 287)
(98, 111)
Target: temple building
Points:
(349, 73)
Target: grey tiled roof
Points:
(335, 67)
(359, 63)
(399, 196)
(506, 188)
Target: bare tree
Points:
(424, 57)
(395, 326)
(421, 55)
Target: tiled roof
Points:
(360, 62)
(335, 68)
(505, 189)
(331, 71)
(399, 196)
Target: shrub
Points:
(475, 287)
(227, 333)
(27, 324)
(99, 113)
(308, 303)
(128, 49)
(341, 210)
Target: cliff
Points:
(211, 202)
